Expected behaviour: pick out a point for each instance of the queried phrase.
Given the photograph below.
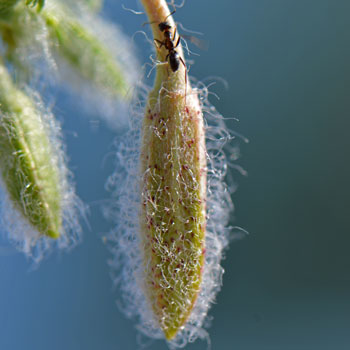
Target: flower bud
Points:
(173, 215)
(173, 221)
(84, 51)
(164, 206)
(26, 160)
(39, 206)
(72, 37)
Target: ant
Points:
(173, 56)
(168, 43)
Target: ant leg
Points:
(167, 67)
(178, 42)
(156, 42)
(174, 35)
(182, 61)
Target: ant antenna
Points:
(169, 15)
(160, 22)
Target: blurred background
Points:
(286, 284)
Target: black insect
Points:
(169, 43)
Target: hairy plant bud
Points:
(26, 160)
(172, 205)
(173, 162)
(174, 197)
(38, 204)
(84, 51)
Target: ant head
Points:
(163, 26)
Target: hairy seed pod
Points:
(28, 171)
(173, 161)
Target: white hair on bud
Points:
(125, 241)
(19, 231)
(32, 43)
(37, 54)
(94, 99)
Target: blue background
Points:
(287, 284)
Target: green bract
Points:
(27, 161)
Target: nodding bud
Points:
(173, 165)
(173, 216)
(70, 36)
(38, 206)
(77, 44)
(164, 206)
(27, 166)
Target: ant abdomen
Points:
(174, 61)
